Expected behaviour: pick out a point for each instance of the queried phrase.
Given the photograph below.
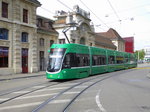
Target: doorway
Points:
(24, 60)
(42, 61)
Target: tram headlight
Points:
(64, 71)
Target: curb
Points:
(21, 77)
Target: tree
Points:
(140, 54)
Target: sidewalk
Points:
(22, 75)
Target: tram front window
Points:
(55, 59)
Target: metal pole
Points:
(66, 37)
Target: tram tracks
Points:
(26, 91)
(81, 85)
(66, 92)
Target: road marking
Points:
(33, 104)
(72, 92)
(81, 86)
(51, 89)
(36, 96)
(21, 92)
(99, 103)
(38, 87)
(142, 68)
(20, 106)
(3, 99)
(60, 101)
(68, 84)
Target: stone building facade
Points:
(115, 38)
(103, 42)
(46, 36)
(81, 30)
(18, 36)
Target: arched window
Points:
(24, 37)
(3, 33)
(82, 41)
(41, 42)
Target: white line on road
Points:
(21, 92)
(33, 104)
(72, 92)
(60, 101)
(20, 106)
(51, 89)
(37, 96)
(81, 86)
(38, 86)
(3, 99)
(99, 103)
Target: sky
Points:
(127, 17)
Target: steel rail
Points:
(59, 94)
(12, 98)
(69, 104)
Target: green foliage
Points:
(140, 54)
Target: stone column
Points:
(33, 64)
(17, 66)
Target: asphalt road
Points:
(120, 91)
(126, 92)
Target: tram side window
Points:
(82, 60)
(98, 60)
(102, 60)
(119, 60)
(126, 60)
(94, 60)
(70, 60)
(132, 60)
(111, 60)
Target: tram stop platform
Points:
(21, 75)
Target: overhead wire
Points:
(94, 14)
(64, 5)
(47, 10)
(114, 10)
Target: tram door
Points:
(24, 60)
(42, 61)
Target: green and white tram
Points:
(69, 61)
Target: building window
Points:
(4, 9)
(82, 41)
(41, 42)
(24, 37)
(51, 42)
(3, 57)
(3, 34)
(73, 40)
(62, 41)
(40, 22)
(25, 15)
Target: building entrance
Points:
(42, 68)
(24, 60)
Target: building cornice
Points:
(17, 22)
(35, 2)
(54, 33)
